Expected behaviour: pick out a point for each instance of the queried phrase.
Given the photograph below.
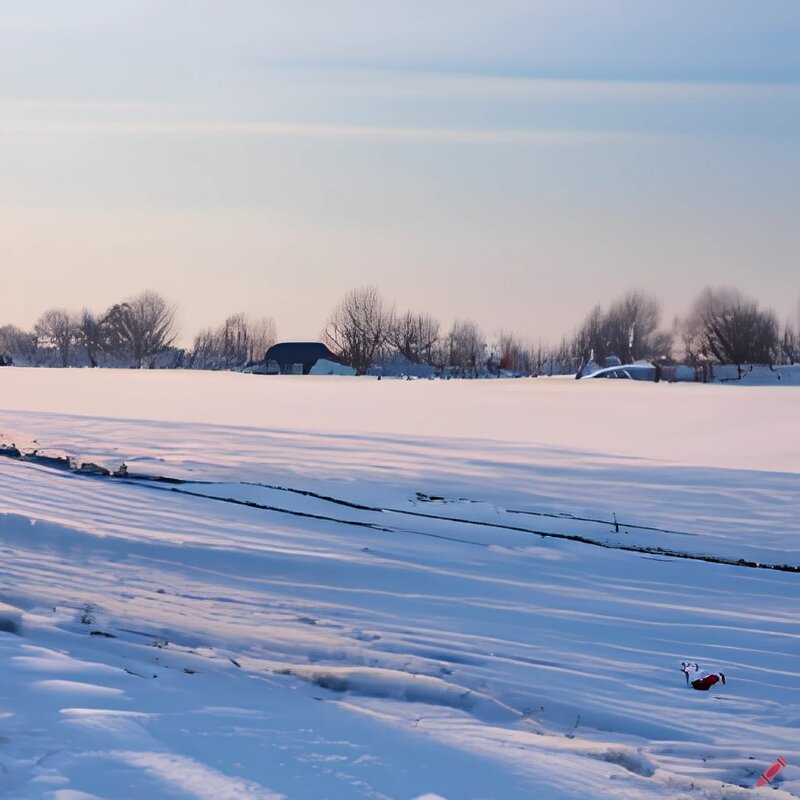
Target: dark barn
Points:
(297, 358)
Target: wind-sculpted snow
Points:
(321, 612)
(408, 687)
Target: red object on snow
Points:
(706, 682)
(771, 771)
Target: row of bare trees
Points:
(363, 330)
(725, 327)
(137, 332)
(133, 333)
(629, 330)
(237, 342)
(722, 326)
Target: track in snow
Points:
(64, 463)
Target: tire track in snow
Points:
(571, 537)
(65, 465)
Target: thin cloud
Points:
(37, 103)
(422, 135)
(420, 84)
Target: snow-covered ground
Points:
(758, 375)
(396, 589)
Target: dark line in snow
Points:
(559, 516)
(308, 493)
(599, 522)
(291, 512)
(64, 465)
(569, 537)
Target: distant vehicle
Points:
(628, 372)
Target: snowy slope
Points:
(351, 595)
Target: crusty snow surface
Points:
(396, 589)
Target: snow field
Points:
(428, 641)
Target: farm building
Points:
(303, 358)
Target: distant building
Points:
(299, 358)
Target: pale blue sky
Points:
(511, 161)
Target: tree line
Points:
(140, 331)
(722, 326)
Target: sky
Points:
(511, 162)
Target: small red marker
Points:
(771, 771)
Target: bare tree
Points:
(204, 353)
(590, 343)
(141, 327)
(239, 341)
(790, 345)
(466, 347)
(58, 328)
(115, 338)
(628, 330)
(234, 341)
(414, 336)
(561, 359)
(512, 355)
(91, 334)
(632, 324)
(358, 328)
(263, 335)
(17, 345)
(726, 327)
